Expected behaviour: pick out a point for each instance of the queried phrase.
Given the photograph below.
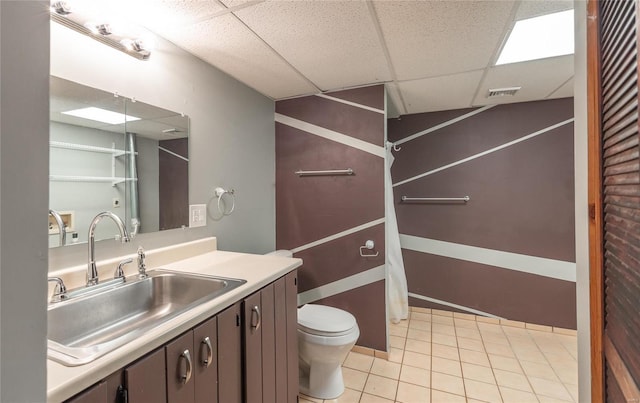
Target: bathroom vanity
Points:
(240, 346)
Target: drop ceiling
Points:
(431, 55)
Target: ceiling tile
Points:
(395, 106)
(440, 93)
(227, 44)
(538, 78)
(430, 38)
(536, 8)
(333, 43)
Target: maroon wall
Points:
(311, 208)
(522, 202)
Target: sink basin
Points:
(84, 328)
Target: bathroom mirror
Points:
(110, 153)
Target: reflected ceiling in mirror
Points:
(109, 153)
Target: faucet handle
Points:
(60, 292)
(142, 266)
(119, 273)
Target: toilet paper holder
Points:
(368, 245)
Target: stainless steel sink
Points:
(84, 328)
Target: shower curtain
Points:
(397, 292)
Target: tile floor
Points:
(438, 356)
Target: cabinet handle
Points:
(256, 325)
(206, 342)
(189, 370)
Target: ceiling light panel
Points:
(234, 49)
(538, 78)
(538, 38)
(333, 43)
(431, 38)
(440, 93)
(101, 115)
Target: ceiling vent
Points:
(503, 92)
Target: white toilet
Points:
(325, 337)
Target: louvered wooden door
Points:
(615, 198)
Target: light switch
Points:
(197, 215)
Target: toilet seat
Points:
(320, 320)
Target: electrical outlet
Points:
(197, 215)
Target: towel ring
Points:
(220, 192)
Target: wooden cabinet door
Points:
(252, 337)
(267, 301)
(230, 355)
(280, 321)
(205, 344)
(145, 379)
(180, 369)
(291, 295)
(95, 394)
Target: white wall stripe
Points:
(492, 150)
(342, 285)
(540, 266)
(338, 235)
(452, 305)
(331, 135)
(357, 105)
(445, 124)
(174, 154)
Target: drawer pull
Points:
(184, 378)
(208, 359)
(256, 324)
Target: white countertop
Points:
(259, 270)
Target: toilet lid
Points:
(325, 320)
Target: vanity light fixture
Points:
(134, 43)
(101, 115)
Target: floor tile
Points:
(420, 309)
(417, 360)
(485, 319)
(443, 329)
(354, 379)
(310, 399)
(447, 383)
(403, 323)
(512, 380)
(444, 339)
(538, 370)
(573, 391)
(444, 397)
(474, 357)
(517, 396)
(556, 390)
(385, 368)
(396, 354)
(420, 325)
(499, 349)
(421, 335)
(466, 316)
(381, 386)
(418, 346)
(446, 366)
(301, 399)
(464, 323)
(567, 374)
(505, 363)
(482, 391)
(357, 361)
(468, 333)
(416, 376)
(470, 344)
(512, 323)
(439, 350)
(398, 331)
(440, 312)
(409, 393)
(531, 356)
(397, 342)
(421, 316)
(547, 399)
(443, 320)
(477, 373)
(349, 396)
(367, 398)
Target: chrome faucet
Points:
(92, 270)
(142, 266)
(63, 228)
(60, 292)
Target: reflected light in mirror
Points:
(101, 115)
